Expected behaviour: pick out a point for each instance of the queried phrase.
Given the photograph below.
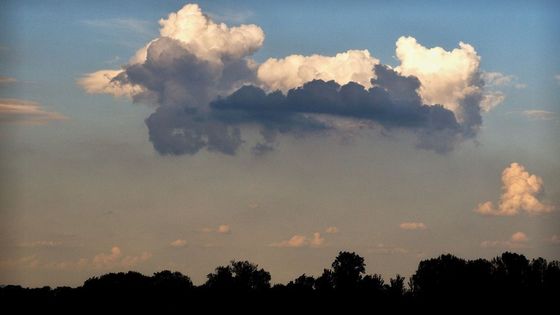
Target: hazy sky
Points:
(131, 140)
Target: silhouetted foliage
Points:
(507, 281)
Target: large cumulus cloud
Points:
(207, 90)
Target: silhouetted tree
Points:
(302, 283)
(325, 282)
(347, 270)
(239, 275)
(507, 282)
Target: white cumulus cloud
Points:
(447, 77)
(295, 70)
(520, 192)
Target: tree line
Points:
(508, 281)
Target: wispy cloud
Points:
(231, 16)
(539, 114)
(178, 243)
(123, 24)
(7, 80)
(105, 261)
(557, 78)
(331, 230)
(300, 241)
(413, 226)
(221, 229)
(22, 111)
(517, 240)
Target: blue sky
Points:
(80, 186)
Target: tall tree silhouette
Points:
(239, 275)
(347, 270)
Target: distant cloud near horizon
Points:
(178, 243)
(7, 80)
(299, 241)
(521, 191)
(25, 112)
(221, 229)
(413, 226)
(537, 114)
(207, 89)
(516, 241)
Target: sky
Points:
(147, 136)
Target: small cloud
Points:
(497, 78)
(178, 243)
(554, 239)
(22, 111)
(300, 241)
(224, 229)
(517, 240)
(539, 114)
(7, 80)
(521, 191)
(331, 230)
(122, 24)
(519, 237)
(557, 78)
(254, 205)
(115, 259)
(413, 226)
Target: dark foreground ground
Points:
(446, 284)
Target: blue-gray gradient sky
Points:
(148, 135)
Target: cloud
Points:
(520, 192)
(295, 70)
(492, 97)
(208, 40)
(413, 226)
(519, 237)
(517, 240)
(206, 89)
(557, 78)
(224, 229)
(450, 78)
(299, 241)
(106, 261)
(124, 24)
(554, 239)
(391, 103)
(115, 259)
(6, 80)
(539, 114)
(22, 111)
(178, 243)
(331, 230)
(101, 82)
(221, 229)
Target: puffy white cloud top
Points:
(295, 70)
(521, 192)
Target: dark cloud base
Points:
(189, 117)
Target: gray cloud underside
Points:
(190, 115)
